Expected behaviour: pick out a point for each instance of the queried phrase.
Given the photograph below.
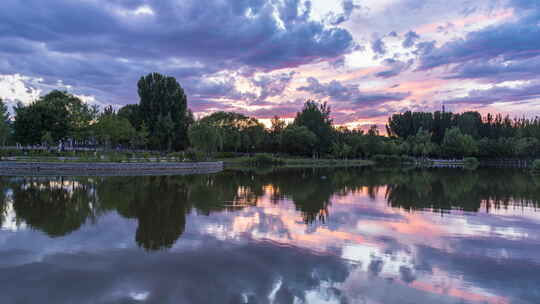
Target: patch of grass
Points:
(293, 162)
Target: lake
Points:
(273, 236)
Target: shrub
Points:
(386, 159)
(194, 155)
(117, 157)
(225, 155)
(536, 166)
(408, 159)
(176, 156)
(471, 163)
(265, 160)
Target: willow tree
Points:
(163, 109)
(205, 137)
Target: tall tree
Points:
(315, 117)
(132, 112)
(298, 140)
(163, 108)
(112, 130)
(60, 113)
(205, 137)
(5, 124)
(457, 144)
(239, 132)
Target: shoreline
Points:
(109, 168)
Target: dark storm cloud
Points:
(498, 94)
(336, 91)
(101, 44)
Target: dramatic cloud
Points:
(336, 91)
(395, 67)
(273, 85)
(378, 46)
(497, 70)
(251, 55)
(499, 94)
(348, 7)
(508, 41)
(410, 39)
(127, 39)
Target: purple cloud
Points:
(186, 39)
(395, 67)
(336, 91)
(378, 46)
(499, 94)
(410, 39)
(516, 40)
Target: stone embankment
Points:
(109, 168)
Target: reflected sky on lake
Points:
(273, 236)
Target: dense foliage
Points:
(162, 121)
(163, 107)
(59, 114)
(468, 133)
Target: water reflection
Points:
(277, 236)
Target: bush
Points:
(194, 155)
(536, 166)
(116, 157)
(225, 155)
(408, 159)
(386, 159)
(471, 163)
(176, 156)
(265, 160)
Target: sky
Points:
(367, 58)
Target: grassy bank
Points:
(292, 162)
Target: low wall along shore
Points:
(130, 168)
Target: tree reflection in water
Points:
(58, 206)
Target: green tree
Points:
(205, 137)
(5, 124)
(112, 130)
(163, 108)
(47, 139)
(132, 112)
(60, 113)
(298, 140)
(140, 137)
(239, 132)
(276, 130)
(421, 143)
(457, 144)
(527, 147)
(316, 118)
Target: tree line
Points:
(450, 134)
(161, 120)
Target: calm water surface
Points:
(285, 236)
